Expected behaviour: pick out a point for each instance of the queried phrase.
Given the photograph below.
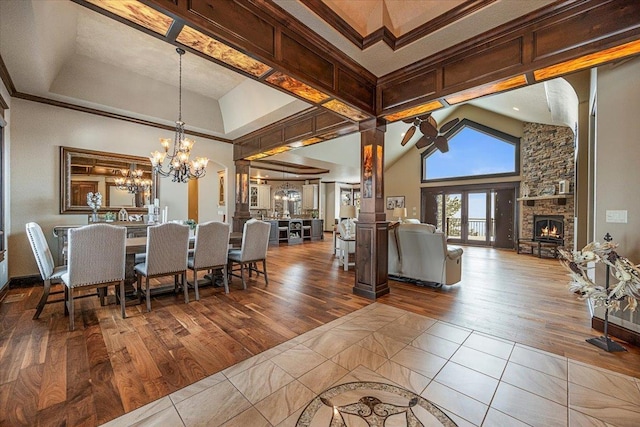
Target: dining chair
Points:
(166, 255)
(48, 271)
(210, 251)
(96, 257)
(255, 241)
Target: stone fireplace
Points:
(548, 228)
(548, 158)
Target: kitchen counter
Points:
(295, 230)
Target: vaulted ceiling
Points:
(118, 56)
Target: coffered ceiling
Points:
(119, 56)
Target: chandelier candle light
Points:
(132, 181)
(179, 167)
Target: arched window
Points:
(474, 151)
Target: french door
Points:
(472, 215)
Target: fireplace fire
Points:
(548, 228)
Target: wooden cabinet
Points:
(310, 196)
(317, 229)
(259, 196)
(295, 231)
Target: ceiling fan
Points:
(430, 132)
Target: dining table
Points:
(138, 245)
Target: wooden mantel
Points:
(560, 199)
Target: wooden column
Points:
(242, 213)
(372, 228)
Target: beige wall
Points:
(38, 131)
(617, 142)
(403, 177)
(4, 270)
(617, 175)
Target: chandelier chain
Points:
(180, 168)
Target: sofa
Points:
(418, 252)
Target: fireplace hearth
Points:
(548, 228)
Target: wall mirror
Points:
(83, 171)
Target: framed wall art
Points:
(395, 202)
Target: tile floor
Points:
(476, 379)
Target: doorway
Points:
(473, 215)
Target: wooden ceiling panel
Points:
(211, 47)
(255, 30)
(296, 87)
(576, 30)
(137, 13)
(483, 63)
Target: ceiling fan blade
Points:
(450, 124)
(410, 121)
(408, 135)
(428, 129)
(442, 144)
(424, 117)
(422, 142)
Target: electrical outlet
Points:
(616, 217)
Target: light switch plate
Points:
(616, 216)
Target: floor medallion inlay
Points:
(375, 403)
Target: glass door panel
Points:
(453, 215)
(475, 224)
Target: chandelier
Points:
(179, 167)
(286, 192)
(132, 181)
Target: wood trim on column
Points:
(561, 32)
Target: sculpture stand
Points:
(604, 342)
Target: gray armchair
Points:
(419, 252)
(166, 255)
(96, 257)
(255, 241)
(210, 251)
(48, 271)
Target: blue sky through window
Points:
(471, 153)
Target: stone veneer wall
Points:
(547, 157)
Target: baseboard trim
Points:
(24, 281)
(632, 337)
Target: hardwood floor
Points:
(109, 365)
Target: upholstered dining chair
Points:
(48, 271)
(255, 241)
(166, 255)
(210, 251)
(96, 257)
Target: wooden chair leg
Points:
(225, 279)
(71, 311)
(139, 286)
(43, 298)
(66, 297)
(185, 287)
(122, 300)
(244, 284)
(264, 271)
(148, 291)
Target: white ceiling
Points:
(63, 51)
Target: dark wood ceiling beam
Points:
(564, 31)
(267, 33)
(384, 33)
(312, 123)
